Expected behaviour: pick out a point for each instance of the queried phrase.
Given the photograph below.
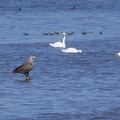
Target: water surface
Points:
(64, 86)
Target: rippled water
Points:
(64, 86)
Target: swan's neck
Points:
(63, 41)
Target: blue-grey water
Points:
(64, 86)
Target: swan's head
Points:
(80, 51)
(63, 33)
(117, 55)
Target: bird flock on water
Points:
(28, 66)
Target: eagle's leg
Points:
(27, 76)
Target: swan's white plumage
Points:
(117, 54)
(72, 50)
(62, 45)
(59, 44)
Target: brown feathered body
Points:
(25, 68)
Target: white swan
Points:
(60, 44)
(117, 54)
(72, 50)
